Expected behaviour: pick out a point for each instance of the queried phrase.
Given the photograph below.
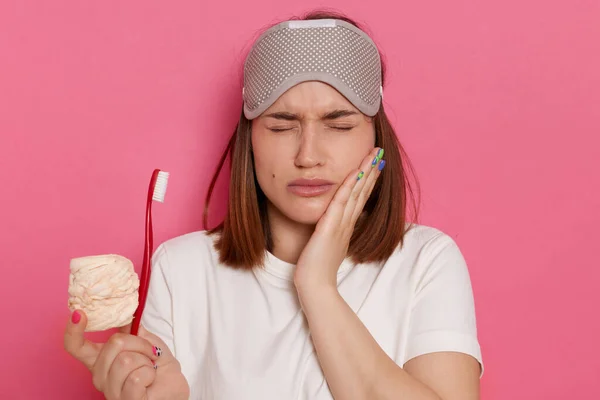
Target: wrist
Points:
(314, 291)
(307, 280)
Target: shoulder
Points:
(429, 252)
(189, 242)
(185, 250)
(426, 239)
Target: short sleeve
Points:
(443, 310)
(157, 317)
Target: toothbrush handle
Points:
(148, 248)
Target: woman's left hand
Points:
(322, 256)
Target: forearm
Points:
(353, 363)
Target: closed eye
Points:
(339, 128)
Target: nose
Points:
(309, 152)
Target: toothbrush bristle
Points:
(160, 188)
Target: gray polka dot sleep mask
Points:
(327, 50)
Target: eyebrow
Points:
(335, 114)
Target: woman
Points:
(315, 286)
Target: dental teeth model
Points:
(105, 287)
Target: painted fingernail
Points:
(381, 165)
(76, 317)
(157, 351)
(154, 364)
(379, 154)
(374, 163)
(360, 175)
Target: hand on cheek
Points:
(319, 261)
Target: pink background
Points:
(498, 104)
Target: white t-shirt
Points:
(241, 334)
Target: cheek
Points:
(350, 153)
(267, 166)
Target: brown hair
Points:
(245, 234)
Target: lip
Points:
(309, 187)
(310, 182)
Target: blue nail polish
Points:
(381, 165)
(375, 161)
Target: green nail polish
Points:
(360, 175)
(380, 155)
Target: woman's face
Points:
(305, 145)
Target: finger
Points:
(376, 168)
(357, 198)
(75, 342)
(162, 348)
(125, 363)
(137, 382)
(116, 344)
(335, 211)
(343, 203)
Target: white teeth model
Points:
(105, 287)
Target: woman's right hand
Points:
(127, 367)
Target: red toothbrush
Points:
(156, 192)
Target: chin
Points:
(306, 211)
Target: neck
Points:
(289, 237)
